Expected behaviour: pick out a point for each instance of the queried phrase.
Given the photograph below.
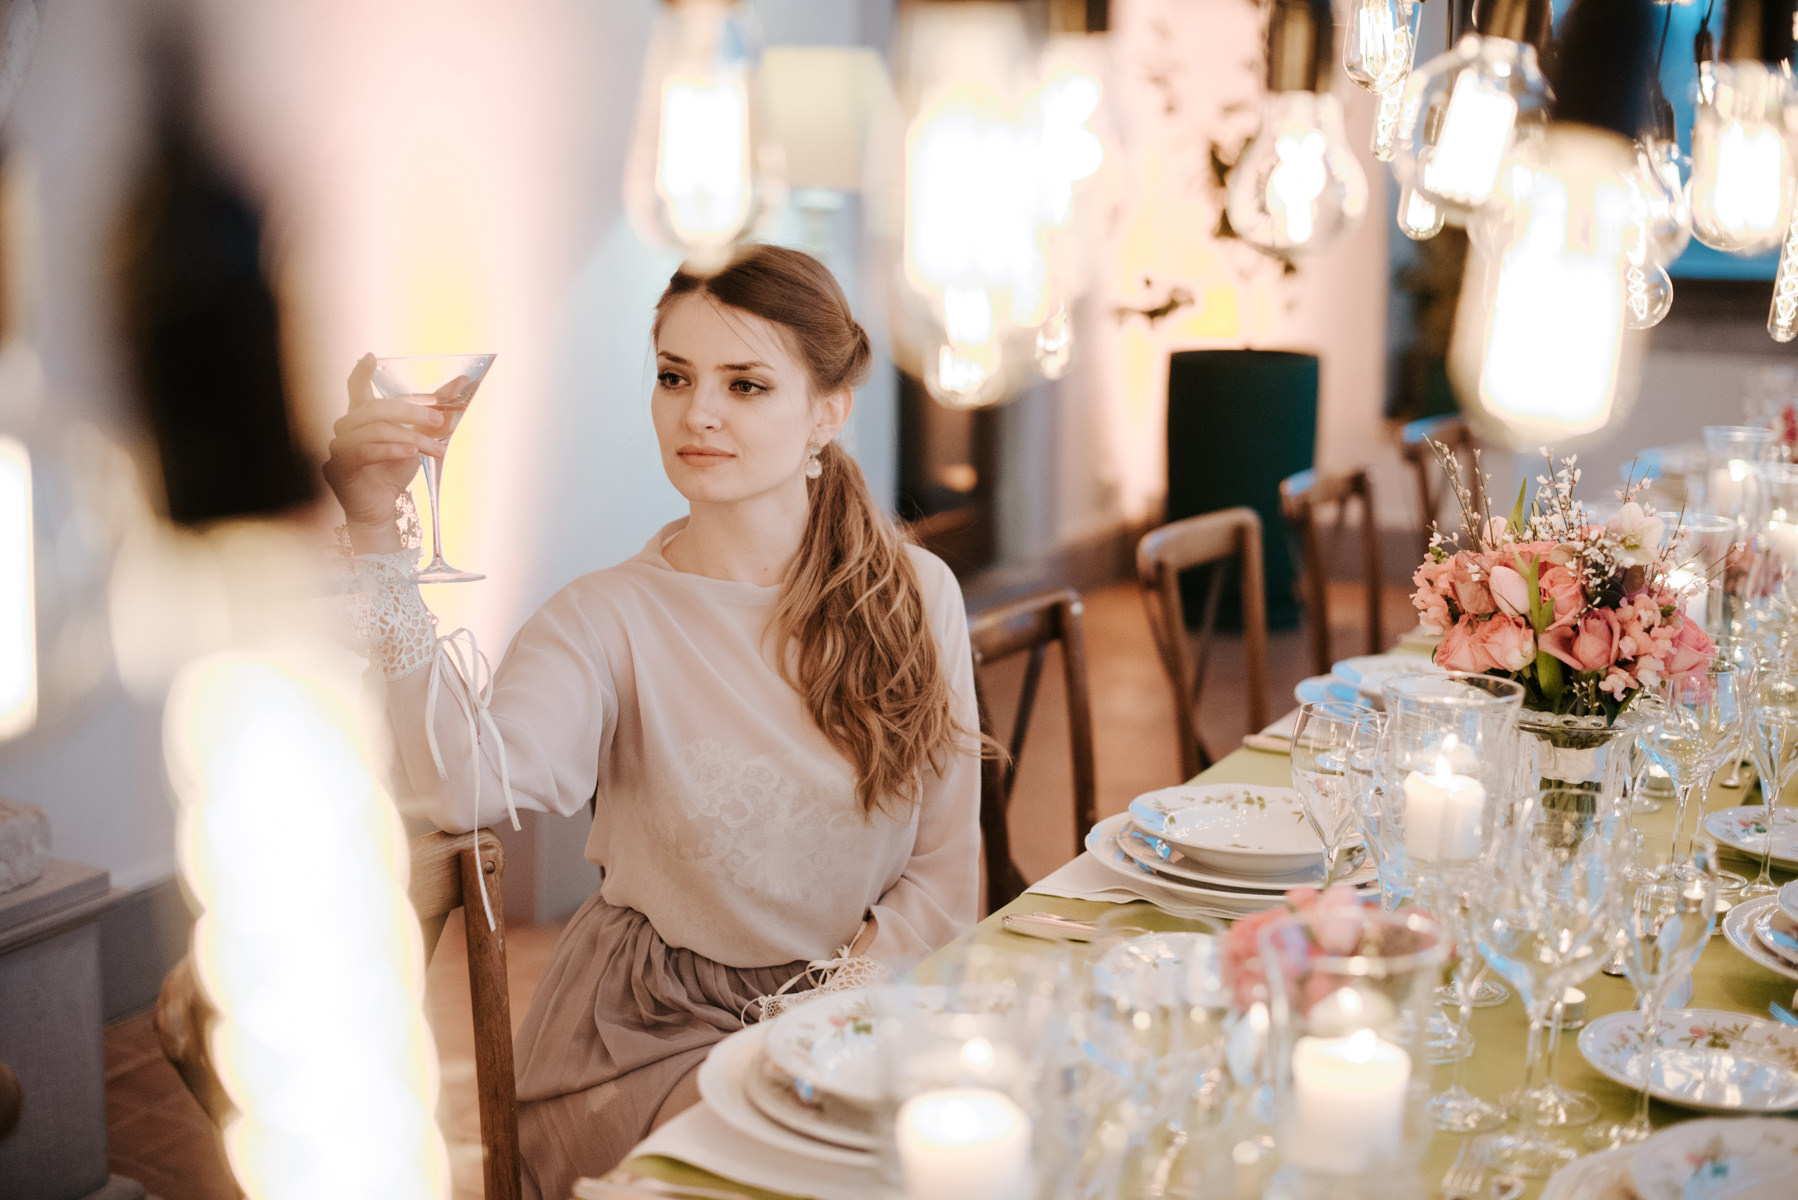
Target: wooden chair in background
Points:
(444, 878)
(1305, 499)
(1231, 535)
(1432, 483)
(1028, 626)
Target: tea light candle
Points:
(1442, 814)
(1680, 579)
(1348, 1102)
(964, 1144)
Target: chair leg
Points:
(492, 1006)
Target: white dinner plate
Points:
(1102, 844)
(1788, 899)
(1367, 673)
(1742, 829)
(1733, 1158)
(1236, 828)
(722, 1084)
(825, 1119)
(1165, 859)
(1738, 927)
(1319, 688)
(1603, 1176)
(1721, 1062)
(1776, 933)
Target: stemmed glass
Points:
(1321, 742)
(1692, 733)
(1773, 739)
(1366, 785)
(446, 383)
(1665, 931)
(1542, 914)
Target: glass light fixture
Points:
(1744, 170)
(1538, 353)
(701, 172)
(1418, 219)
(1782, 315)
(1378, 41)
(1465, 111)
(1296, 186)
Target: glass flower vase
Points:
(1576, 753)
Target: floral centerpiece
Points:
(1584, 615)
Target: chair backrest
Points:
(1222, 537)
(1432, 483)
(1305, 500)
(446, 874)
(1028, 626)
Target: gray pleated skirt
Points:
(618, 1021)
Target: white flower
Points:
(1637, 535)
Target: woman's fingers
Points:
(384, 432)
(362, 381)
(391, 410)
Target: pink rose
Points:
(1691, 652)
(1470, 593)
(1432, 611)
(1562, 586)
(1457, 651)
(1507, 643)
(1509, 591)
(1590, 644)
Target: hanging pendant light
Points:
(1296, 186)
(1538, 352)
(1744, 169)
(1378, 41)
(700, 172)
(1465, 111)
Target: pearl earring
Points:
(813, 467)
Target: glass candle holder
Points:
(1350, 991)
(1451, 753)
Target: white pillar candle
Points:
(964, 1144)
(1348, 1102)
(1693, 588)
(1442, 814)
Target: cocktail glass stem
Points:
(1651, 1030)
(1674, 856)
(1763, 883)
(433, 468)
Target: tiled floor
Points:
(161, 1137)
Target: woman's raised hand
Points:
(374, 456)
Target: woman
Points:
(772, 707)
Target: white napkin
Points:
(1088, 879)
(701, 1138)
(1277, 737)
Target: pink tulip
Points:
(1590, 644)
(1509, 591)
(1507, 643)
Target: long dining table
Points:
(1724, 979)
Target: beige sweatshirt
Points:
(723, 814)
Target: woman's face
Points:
(733, 404)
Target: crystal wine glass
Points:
(1542, 914)
(446, 383)
(1773, 739)
(1321, 743)
(1692, 733)
(1665, 931)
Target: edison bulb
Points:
(1538, 351)
(1647, 294)
(1743, 167)
(1672, 199)
(699, 175)
(1297, 185)
(1463, 114)
(1379, 41)
(1418, 219)
(1782, 314)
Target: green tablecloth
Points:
(1724, 980)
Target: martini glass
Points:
(446, 383)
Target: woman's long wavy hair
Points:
(849, 632)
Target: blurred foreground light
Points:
(1744, 167)
(700, 173)
(307, 947)
(1379, 40)
(18, 621)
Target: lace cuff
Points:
(388, 619)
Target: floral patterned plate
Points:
(1158, 855)
(1167, 891)
(1788, 900)
(1233, 827)
(724, 1079)
(1713, 1061)
(1751, 1158)
(829, 1048)
(1777, 933)
(1744, 829)
(1738, 927)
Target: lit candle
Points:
(1692, 585)
(1728, 488)
(964, 1144)
(1442, 813)
(1348, 1102)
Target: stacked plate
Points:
(809, 1082)
(1742, 1158)
(1766, 930)
(1706, 1059)
(1744, 830)
(1233, 847)
(1358, 680)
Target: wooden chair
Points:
(1432, 484)
(1304, 499)
(1231, 534)
(443, 879)
(1023, 626)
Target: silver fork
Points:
(1466, 1176)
